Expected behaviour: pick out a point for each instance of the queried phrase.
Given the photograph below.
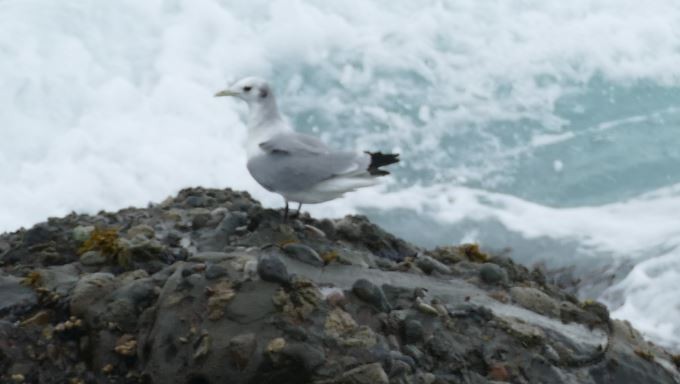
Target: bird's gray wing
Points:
(291, 168)
(294, 143)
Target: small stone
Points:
(82, 233)
(491, 273)
(372, 294)
(200, 220)
(92, 258)
(413, 331)
(535, 300)
(215, 271)
(498, 372)
(303, 253)
(399, 368)
(126, 345)
(429, 264)
(315, 231)
(202, 347)
(276, 345)
(273, 270)
(366, 374)
(212, 257)
(108, 368)
(142, 230)
(18, 378)
(241, 348)
(41, 318)
(426, 308)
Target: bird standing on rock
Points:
(299, 167)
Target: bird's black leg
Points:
(285, 212)
(297, 213)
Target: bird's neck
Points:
(264, 121)
(264, 115)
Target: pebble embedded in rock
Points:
(92, 258)
(535, 300)
(272, 269)
(303, 253)
(413, 331)
(413, 352)
(215, 271)
(372, 294)
(491, 273)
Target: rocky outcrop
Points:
(209, 287)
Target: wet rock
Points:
(241, 348)
(365, 374)
(415, 353)
(372, 294)
(309, 357)
(535, 300)
(90, 258)
(303, 253)
(15, 297)
(493, 274)
(39, 234)
(220, 237)
(271, 269)
(89, 290)
(60, 278)
(362, 316)
(412, 331)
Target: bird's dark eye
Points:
(247, 88)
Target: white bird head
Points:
(250, 90)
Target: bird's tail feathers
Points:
(379, 159)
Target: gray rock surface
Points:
(209, 287)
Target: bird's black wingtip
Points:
(379, 159)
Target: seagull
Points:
(299, 167)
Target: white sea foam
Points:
(104, 105)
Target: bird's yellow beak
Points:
(226, 92)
